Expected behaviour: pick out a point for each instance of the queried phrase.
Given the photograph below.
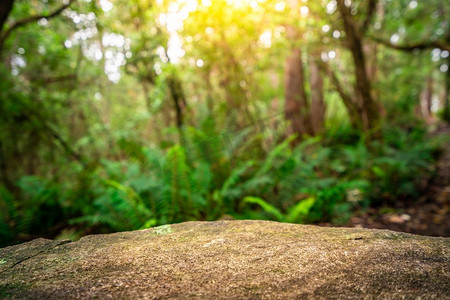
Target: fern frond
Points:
(268, 208)
(300, 210)
(281, 149)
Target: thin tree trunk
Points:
(370, 51)
(296, 105)
(370, 110)
(317, 99)
(426, 99)
(209, 93)
(353, 107)
(446, 112)
(179, 100)
(4, 168)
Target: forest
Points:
(124, 115)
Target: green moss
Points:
(356, 236)
(12, 289)
(162, 230)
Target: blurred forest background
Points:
(122, 115)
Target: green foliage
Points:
(296, 213)
(88, 135)
(311, 182)
(8, 216)
(404, 164)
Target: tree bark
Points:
(4, 169)
(4, 13)
(296, 106)
(5, 9)
(414, 46)
(426, 99)
(446, 110)
(179, 100)
(370, 50)
(317, 98)
(353, 107)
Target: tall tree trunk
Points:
(426, 99)
(370, 51)
(179, 100)
(317, 99)
(209, 92)
(297, 110)
(369, 108)
(4, 168)
(5, 9)
(446, 112)
(296, 105)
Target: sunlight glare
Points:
(331, 54)
(280, 6)
(395, 38)
(412, 4)
(106, 5)
(199, 63)
(336, 34)
(304, 10)
(331, 7)
(266, 39)
(206, 3)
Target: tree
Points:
(297, 108)
(369, 109)
(5, 10)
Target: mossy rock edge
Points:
(230, 260)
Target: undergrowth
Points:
(208, 176)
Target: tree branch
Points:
(78, 157)
(353, 108)
(348, 101)
(4, 35)
(412, 47)
(62, 78)
(371, 8)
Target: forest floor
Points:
(428, 215)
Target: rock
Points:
(230, 260)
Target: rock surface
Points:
(230, 260)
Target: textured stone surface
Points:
(230, 260)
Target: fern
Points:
(178, 172)
(299, 211)
(8, 216)
(268, 208)
(295, 213)
(281, 149)
(234, 177)
(118, 207)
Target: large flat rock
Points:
(230, 260)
